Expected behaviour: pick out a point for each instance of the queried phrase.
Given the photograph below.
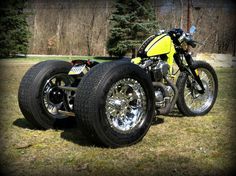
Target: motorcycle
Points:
(114, 103)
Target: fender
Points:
(81, 66)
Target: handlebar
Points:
(189, 40)
(191, 43)
(178, 36)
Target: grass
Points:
(174, 145)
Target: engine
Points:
(163, 91)
(160, 70)
(163, 95)
(164, 88)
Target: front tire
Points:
(114, 104)
(39, 96)
(191, 103)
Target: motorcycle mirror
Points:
(192, 30)
(161, 31)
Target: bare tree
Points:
(81, 27)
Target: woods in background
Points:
(83, 27)
(14, 33)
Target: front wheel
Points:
(190, 101)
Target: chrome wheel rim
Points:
(195, 101)
(126, 105)
(54, 98)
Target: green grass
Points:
(174, 145)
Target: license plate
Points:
(76, 70)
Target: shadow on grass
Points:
(73, 134)
(175, 113)
(76, 136)
(23, 123)
(58, 124)
(64, 124)
(157, 121)
(70, 132)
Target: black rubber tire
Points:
(90, 103)
(29, 94)
(181, 82)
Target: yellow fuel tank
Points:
(159, 45)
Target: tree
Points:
(132, 22)
(14, 33)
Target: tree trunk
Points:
(234, 45)
(133, 53)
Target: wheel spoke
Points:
(59, 106)
(132, 96)
(200, 102)
(187, 94)
(124, 89)
(58, 82)
(51, 83)
(114, 92)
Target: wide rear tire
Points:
(104, 110)
(31, 94)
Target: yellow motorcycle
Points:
(114, 103)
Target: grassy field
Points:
(174, 145)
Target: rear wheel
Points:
(114, 104)
(190, 101)
(41, 99)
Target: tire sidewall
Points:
(39, 112)
(114, 75)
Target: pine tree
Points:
(14, 33)
(132, 22)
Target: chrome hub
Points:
(126, 105)
(54, 98)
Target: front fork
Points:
(192, 71)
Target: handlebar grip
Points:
(192, 44)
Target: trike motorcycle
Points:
(114, 103)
